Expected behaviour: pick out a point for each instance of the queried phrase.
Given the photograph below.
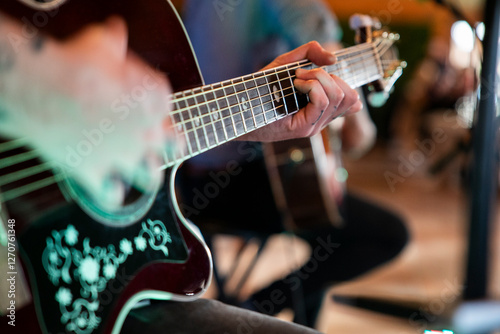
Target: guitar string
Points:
(353, 76)
(30, 187)
(337, 72)
(243, 106)
(272, 71)
(188, 108)
(30, 155)
(45, 166)
(13, 144)
(7, 146)
(198, 114)
(238, 103)
(24, 173)
(348, 51)
(285, 68)
(57, 177)
(305, 62)
(195, 144)
(4, 147)
(196, 148)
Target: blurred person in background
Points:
(232, 39)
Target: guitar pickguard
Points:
(83, 269)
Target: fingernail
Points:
(332, 58)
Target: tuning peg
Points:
(391, 36)
(380, 91)
(359, 21)
(377, 99)
(365, 26)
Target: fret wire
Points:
(378, 64)
(282, 93)
(165, 152)
(178, 129)
(249, 104)
(239, 107)
(197, 140)
(186, 134)
(271, 97)
(268, 96)
(357, 66)
(231, 115)
(212, 122)
(260, 98)
(200, 117)
(247, 107)
(293, 89)
(218, 111)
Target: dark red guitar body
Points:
(129, 270)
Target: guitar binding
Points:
(135, 204)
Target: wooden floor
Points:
(427, 277)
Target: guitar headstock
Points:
(369, 30)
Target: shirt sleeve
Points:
(303, 21)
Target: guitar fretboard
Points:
(212, 115)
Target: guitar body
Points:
(304, 175)
(85, 275)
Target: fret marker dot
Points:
(243, 100)
(197, 121)
(276, 93)
(179, 127)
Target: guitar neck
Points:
(211, 115)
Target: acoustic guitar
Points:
(306, 174)
(88, 266)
